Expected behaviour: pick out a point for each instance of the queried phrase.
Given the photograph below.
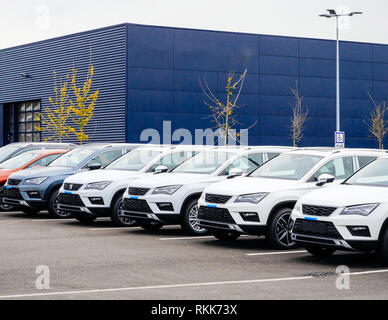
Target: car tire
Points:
(321, 252)
(279, 233)
(52, 207)
(84, 218)
(116, 216)
(189, 221)
(226, 235)
(382, 251)
(30, 210)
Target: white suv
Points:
(98, 193)
(261, 203)
(350, 216)
(172, 197)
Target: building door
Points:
(20, 122)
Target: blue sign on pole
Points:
(340, 139)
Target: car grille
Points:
(13, 193)
(72, 186)
(214, 198)
(137, 191)
(318, 211)
(316, 229)
(13, 182)
(215, 214)
(70, 199)
(136, 205)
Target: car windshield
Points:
(6, 151)
(204, 163)
(73, 158)
(374, 174)
(287, 166)
(135, 160)
(19, 161)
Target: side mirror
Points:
(235, 172)
(94, 166)
(325, 178)
(161, 169)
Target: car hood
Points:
(42, 172)
(345, 195)
(247, 185)
(5, 173)
(101, 175)
(169, 179)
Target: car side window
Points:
(246, 163)
(107, 157)
(340, 168)
(272, 155)
(45, 161)
(26, 150)
(173, 160)
(363, 161)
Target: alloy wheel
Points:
(193, 219)
(283, 231)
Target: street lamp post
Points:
(332, 14)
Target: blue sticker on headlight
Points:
(134, 198)
(211, 206)
(8, 188)
(311, 219)
(68, 192)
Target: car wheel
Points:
(6, 207)
(30, 211)
(84, 218)
(53, 209)
(117, 214)
(321, 252)
(382, 251)
(151, 225)
(279, 233)
(226, 235)
(190, 219)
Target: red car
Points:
(30, 159)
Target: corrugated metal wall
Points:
(41, 58)
(166, 63)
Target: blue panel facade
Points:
(41, 58)
(176, 59)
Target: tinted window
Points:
(340, 168)
(246, 163)
(107, 157)
(374, 174)
(173, 160)
(287, 166)
(205, 163)
(272, 155)
(6, 151)
(45, 161)
(73, 158)
(19, 161)
(134, 160)
(363, 161)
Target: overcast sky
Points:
(25, 21)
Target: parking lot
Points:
(99, 261)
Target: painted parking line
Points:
(183, 285)
(274, 253)
(125, 228)
(193, 238)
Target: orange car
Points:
(31, 159)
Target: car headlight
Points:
(254, 198)
(169, 190)
(36, 181)
(98, 185)
(362, 210)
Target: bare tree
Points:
(376, 123)
(299, 116)
(224, 115)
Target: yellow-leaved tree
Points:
(82, 107)
(55, 117)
